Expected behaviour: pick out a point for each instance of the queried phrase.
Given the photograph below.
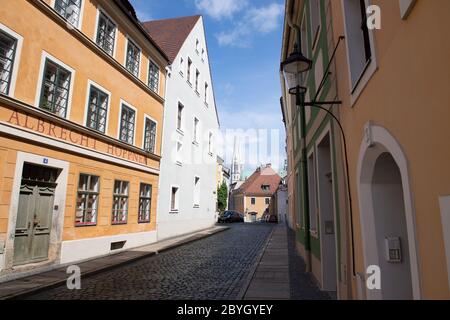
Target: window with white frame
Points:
(197, 79)
(150, 135)
(197, 43)
(55, 89)
(127, 124)
(133, 58)
(97, 109)
(211, 143)
(106, 33)
(203, 54)
(180, 116)
(8, 48)
(206, 92)
(120, 202)
(196, 191)
(145, 203)
(87, 200)
(174, 199)
(315, 20)
(312, 190)
(181, 66)
(196, 130)
(69, 10)
(189, 67)
(153, 76)
(179, 156)
(358, 39)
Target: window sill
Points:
(81, 225)
(119, 223)
(178, 163)
(197, 93)
(182, 74)
(143, 222)
(196, 206)
(189, 83)
(181, 132)
(174, 212)
(206, 104)
(195, 143)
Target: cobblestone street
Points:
(212, 268)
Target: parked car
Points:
(230, 217)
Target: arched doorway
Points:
(387, 216)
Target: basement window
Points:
(117, 245)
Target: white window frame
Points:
(86, 108)
(129, 105)
(182, 125)
(16, 64)
(100, 9)
(196, 132)
(80, 17)
(189, 70)
(179, 153)
(127, 41)
(45, 55)
(177, 199)
(146, 116)
(150, 61)
(197, 191)
(315, 35)
(370, 69)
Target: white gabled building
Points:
(187, 188)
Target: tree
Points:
(222, 197)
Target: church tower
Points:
(236, 167)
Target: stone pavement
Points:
(280, 273)
(270, 280)
(57, 277)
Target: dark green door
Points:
(34, 215)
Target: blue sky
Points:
(244, 42)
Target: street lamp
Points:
(295, 65)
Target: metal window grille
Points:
(55, 89)
(120, 202)
(87, 200)
(97, 110)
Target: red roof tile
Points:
(264, 176)
(170, 34)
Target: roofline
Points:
(138, 25)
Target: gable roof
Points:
(170, 34)
(262, 176)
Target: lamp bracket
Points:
(321, 103)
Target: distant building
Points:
(237, 167)
(254, 195)
(223, 174)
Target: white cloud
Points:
(261, 20)
(219, 9)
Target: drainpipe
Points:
(304, 157)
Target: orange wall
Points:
(409, 95)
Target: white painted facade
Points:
(197, 159)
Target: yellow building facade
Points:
(80, 131)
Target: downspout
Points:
(304, 156)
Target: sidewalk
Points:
(54, 278)
(270, 279)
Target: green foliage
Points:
(222, 197)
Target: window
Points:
(253, 201)
(106, 33)
(265, 187)
(174, 200)
(189, 66)
(181, 65)
(196, 129)
(196, 192)
(358, 39)
(145, 203)
(150, 135)
(179, 157)
(203, 54)
(97, 109)
(315, 20)
(120, 202)
(153, 77)
(8, 47)
(55, 89)
(206, 92)
(69, 10)
(197, 43)
(210, 143)
(312, 185)
(197, 78)
(133, 58)
(267, 201)
(87, 200)
(127, 122)
(180, 116)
